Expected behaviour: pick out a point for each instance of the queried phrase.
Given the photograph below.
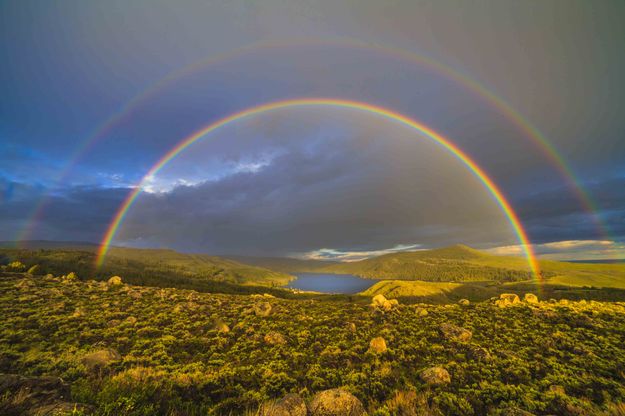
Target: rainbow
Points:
(522, 124)
(370, 108)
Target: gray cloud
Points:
(366, 188)
(68, 67)
(556, 215)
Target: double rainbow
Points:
(523, 125)
(332, 102)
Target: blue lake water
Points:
(330, 283)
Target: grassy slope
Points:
(412, 288)
(456, 263)
(204, 265)
(586, 274)
(137, 264)
(452, 264)
(175, 362)
(445, 292)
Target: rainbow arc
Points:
(424, 130)
(513, 116)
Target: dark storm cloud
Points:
(370, 188)
(75, 214)
(557, 215)
(67, 67)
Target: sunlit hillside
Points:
(151, 267)
(461, 263)
(108, 348)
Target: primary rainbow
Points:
(356, 105)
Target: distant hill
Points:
(284, 264)
(598, 261)
(457, 263)
(148, 266)
(464, 264)
(452, 273)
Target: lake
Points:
(330, 283)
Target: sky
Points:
(93, 94)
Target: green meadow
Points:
(182, 334)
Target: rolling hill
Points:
(457, 263)
(149, 267)
(464, 264)
(452, 273)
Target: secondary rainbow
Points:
(332, 102)
(438, 67)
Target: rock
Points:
(510, 297)
(507, 299)
(114, 281)
(478, 353)
(435, 376)
(262, 309)
(274, 338)
(464, 302)
(336, 402)
(455, 333)
(378, 300)
(377, 345)
(530, 298)
(101, 358)
(290, 405)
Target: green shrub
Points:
(16, 266)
